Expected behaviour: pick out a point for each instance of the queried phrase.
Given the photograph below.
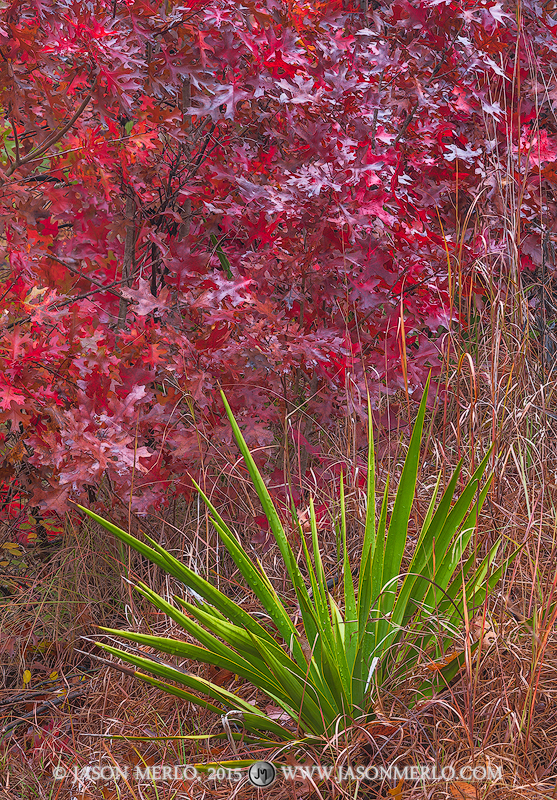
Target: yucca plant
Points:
(331, 671)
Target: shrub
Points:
(331, 670)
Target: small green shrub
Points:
(329, 673)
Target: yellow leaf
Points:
(41, 647)
(12, 548)
(26, 677)
(35, 294)
(53, 675)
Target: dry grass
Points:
(501, 710)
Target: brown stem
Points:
(49, 141)
(184, 228)
(129, 254)
(375, 114)
(16, 140)
(405, 124)
(76, 271)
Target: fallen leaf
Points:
(437, 666)
(461, 790)
(397, 790)
(382, 728)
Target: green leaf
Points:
(219, 656)
(268, 506)
(223, 258)
(186, 576)
(180, 676)
(398, 525)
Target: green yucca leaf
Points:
(446, 567)
(258, 651)
(320, 586)
(365, 580)
(434, 548)
(266, 502)
(398, 526)
(252, 722)
(232, 635)
(299, 693)
(180, 693)
(351, 638)
(185, 575)
(431, 508)
(180, 676)
(222, 257)
(217, 655)
(369, 625)
(369, 529)
(260, 585)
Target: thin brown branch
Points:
(184, 228)
(60, 304)
(50, 140)
(405, 124)
(16, 140)
(129, 255)
(42, 709)
(94, 281)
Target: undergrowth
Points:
(500, 709)
(500, 390)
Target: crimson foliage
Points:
(275, 196)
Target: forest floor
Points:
(60, 704)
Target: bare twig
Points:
(129, 253)
(94, 281)
(186, 103)
(50, 704)
(50, 140)
(16, 140)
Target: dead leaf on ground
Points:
(461, 790)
